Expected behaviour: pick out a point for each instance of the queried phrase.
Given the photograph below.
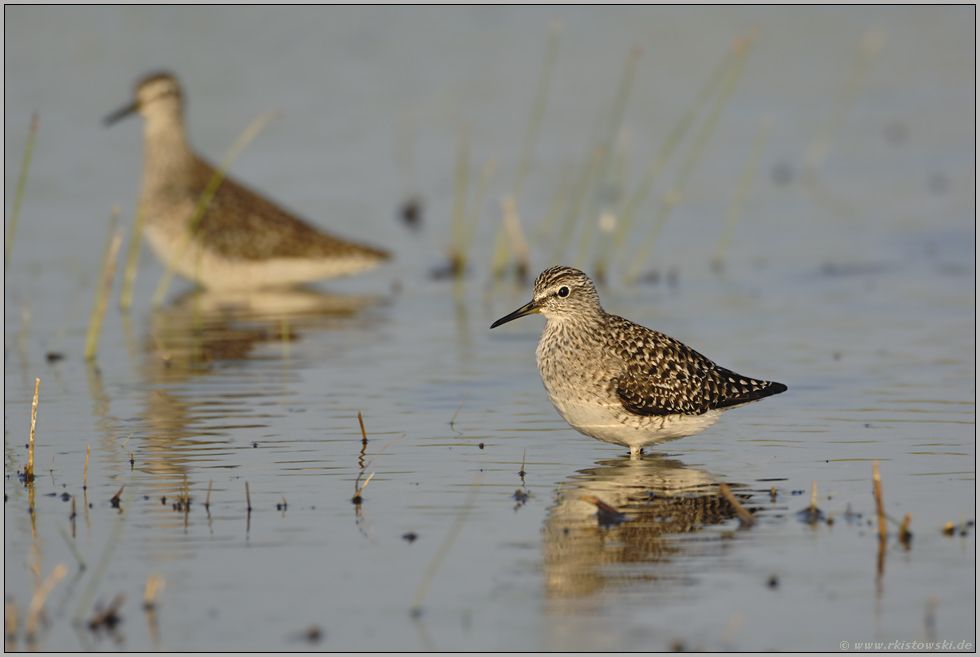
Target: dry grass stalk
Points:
(357, 493)
(904, 535)
(154, 585)
(368, 464)
(882, 527)
(117, 497)
(29, 472)
(363, 432)
(465, 397)
(746, 518)
(85, 475)
(10, 625)
(37, 602)
(19, 194)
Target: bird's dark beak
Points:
(121, 113)
(523, 311)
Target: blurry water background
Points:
(849, 276)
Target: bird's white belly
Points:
(216, 272)
(612, 423)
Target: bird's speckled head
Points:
(156, 95)
(559, 293)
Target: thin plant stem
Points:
(479, 199)
(742, 192)
(612, 129)
(667, 148)
(43, 591)
(443, 550)
(19, 194)
(103, 287)
(537, 110)
(458, 237)
(501, 253)
(132, 260)
(29, 475)
(515, 234)
(672, 198)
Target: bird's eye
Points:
(563, 291)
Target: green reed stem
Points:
(578, 202)
(103, 286)
(476, 210)
(608, 148)
(742, 192)
(557, 203)
(132, 260)
(819, 148)
(501, 251)
(672, 198)
(673, 138)
(537, 110)
(457, 247)
(19, 194)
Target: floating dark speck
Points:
(411, 212)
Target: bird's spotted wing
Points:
(664, 377)
(243, 224)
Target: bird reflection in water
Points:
(198, 391)
(619, 528)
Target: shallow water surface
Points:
(850, 277)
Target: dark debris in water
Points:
(312, 634)
(521, 497)
(109, 617)
(811, 515)
(411, 212)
